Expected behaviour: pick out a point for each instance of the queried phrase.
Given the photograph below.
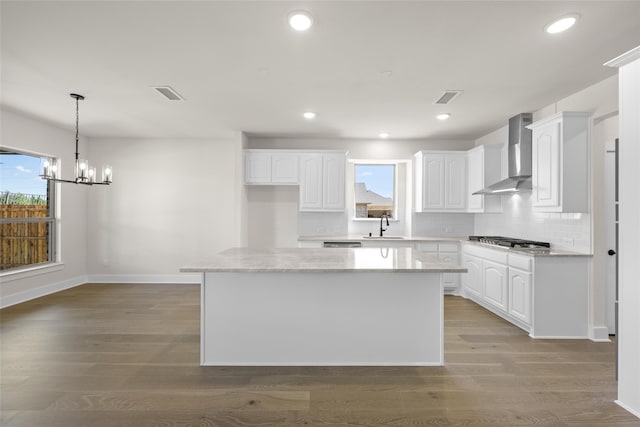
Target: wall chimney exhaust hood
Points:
(519, 158)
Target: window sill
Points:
(372, 219)
(26, 272)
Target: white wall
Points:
(25, 133)
(308, 223)
(172, 202)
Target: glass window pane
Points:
(374, 190)
(19, 179)
(26, 214)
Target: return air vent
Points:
(169, 93)
(448, 96)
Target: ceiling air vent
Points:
(448, 96)
(169, 93)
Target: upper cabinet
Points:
(560, 163)
(322, 181)
(270, 167)
(484, 166)
(441, 181)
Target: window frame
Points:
(395, 214)
(52, 219)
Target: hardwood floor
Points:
(127, 355)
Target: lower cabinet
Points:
(520, 295)
(472, 280)
(546, 296)
(447, 252)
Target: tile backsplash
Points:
(443, 224)
(568, 231)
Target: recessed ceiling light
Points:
(383, 135)
(309, 115)
(443, 116)
(561, 24)
(300, 20)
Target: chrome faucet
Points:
(382, 230)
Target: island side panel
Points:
(319, 319)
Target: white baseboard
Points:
(628, 408)
(41, 291)
(599, 334)
(183, 278)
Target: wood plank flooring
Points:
(127, 355)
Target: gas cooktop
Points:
(510, 242)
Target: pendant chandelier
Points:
(84, 173)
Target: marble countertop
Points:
(528, 252)
(464, 239)
(313, 260)
(360, 238)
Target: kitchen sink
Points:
(384, 237)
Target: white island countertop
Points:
(311, 260)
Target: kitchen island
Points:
(362, 306)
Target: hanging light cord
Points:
(77, 124)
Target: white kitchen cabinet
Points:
(270, 167)
(440, 181)
(520, 294)
(472, 280)
(447, 252)
(322, 181)
(546, 296)
(560, 163)
(494, 278)
(484, 167)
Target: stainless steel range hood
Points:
(519, 159)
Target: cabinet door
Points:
(433, 182)
(520, 295)
(333, 182)
(284, 168)
(472, 280)
(475, 180)
(455, 181)
(449, 280)
(495, 284)
(310, 182)
(257, 168)
(546, 151)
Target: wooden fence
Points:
(23, 243)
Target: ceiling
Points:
(364, 67)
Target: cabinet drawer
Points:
(495, 255)
(522, 262)
(448, 247)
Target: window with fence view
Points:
(27, 222)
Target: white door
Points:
(257, 168)
(455, 181)
(284, 168)
(520, 294)
(475, 180)
(310, 182)
(495, 284)
(433, 184)
(610, 221)
(546, 165)
(333, 182)
(472, 280)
